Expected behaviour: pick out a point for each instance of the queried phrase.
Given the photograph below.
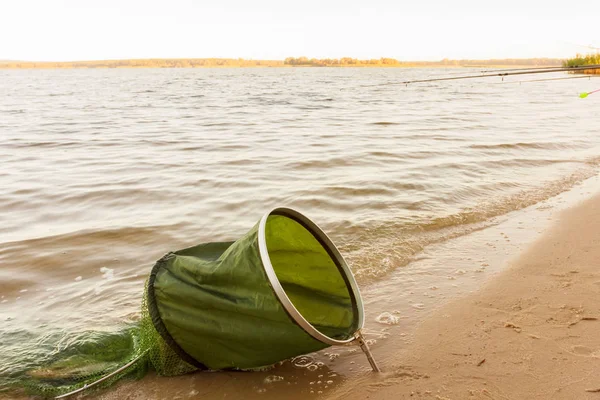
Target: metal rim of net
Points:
(337, 258)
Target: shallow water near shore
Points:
(395, 307)
(104, 171)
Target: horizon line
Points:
(283, 59)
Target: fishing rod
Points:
(488, 71)
(543, 80)
(503, 74)
(485, 71)
(581, 95)
(586, 94)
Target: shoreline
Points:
(454, 269)
(529, 332)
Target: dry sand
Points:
(531, 333)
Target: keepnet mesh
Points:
(210, 306)
(88, 356)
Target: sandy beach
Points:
(530, 333)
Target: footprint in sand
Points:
(581, 350)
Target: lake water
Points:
(104, 171)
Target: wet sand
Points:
(529, 333)
(529, 314)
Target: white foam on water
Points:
(107, 273)
(387, 319)
(273, 378)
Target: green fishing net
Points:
(280, 291)
(89, 356)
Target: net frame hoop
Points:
(278, 288)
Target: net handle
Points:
(365, 348)
(105, 377)
(360, 340)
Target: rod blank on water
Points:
(503, 74)
(544, 80)
(486, 71)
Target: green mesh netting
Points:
(212, 306)
(310, 277)
(86, 357)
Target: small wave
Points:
(522, 162)
(87, 197)
(313, 107)
(448, 139)
(521, 146)
(219, 147)
(375, 251)
(48, 145)
(384, 154)
(327, 203)
(58, 259)
(270, 102)
(385, 123)
(60, 94)
(59, 123)
(327, 163)
(212, 124)
(350, 191)
(240, 162)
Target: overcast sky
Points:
(274, 29)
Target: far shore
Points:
(301, 62)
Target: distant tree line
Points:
(391, 62)
(580, 60)
(344, 61)
(148, 63)
(288, 62)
